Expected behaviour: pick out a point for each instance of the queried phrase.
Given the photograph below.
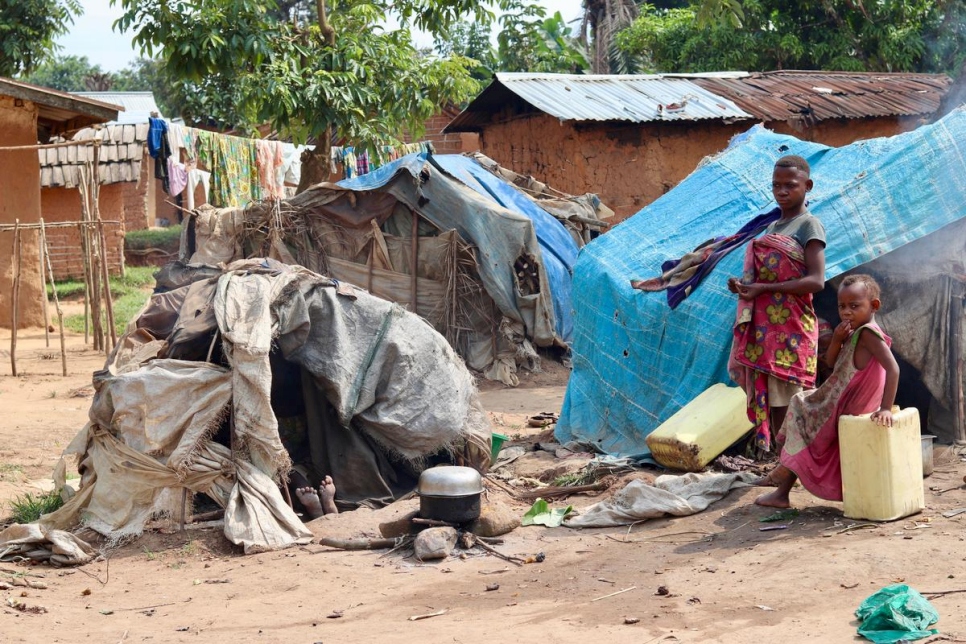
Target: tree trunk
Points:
(315, 163)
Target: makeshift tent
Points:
(486, 255)
(226, 380)
(637, 361)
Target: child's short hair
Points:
(794, 161)
(871, 286)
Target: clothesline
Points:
(236, 171)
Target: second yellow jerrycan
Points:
(881, 466)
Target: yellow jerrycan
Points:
(881, 466)
(701, 430)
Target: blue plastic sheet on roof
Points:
(557, 247)
(383, 174)
(636, 362)
(556, 244)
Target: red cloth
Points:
(810, 432)
(776, 334)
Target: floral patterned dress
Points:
(776, 334)
(811, 433)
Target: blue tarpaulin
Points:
(501, 230)
(556, 244)
(636, 361)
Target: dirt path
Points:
(726, 580)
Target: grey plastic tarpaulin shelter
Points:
(233, 376)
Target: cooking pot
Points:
(450, 493)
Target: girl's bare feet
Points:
(327, 496)
(766, 481)
(776, 499)
(317, 503)
(310, 501)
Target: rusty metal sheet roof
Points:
(819, 95)
(578, 97)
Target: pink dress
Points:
(810, 431)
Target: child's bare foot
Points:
(776, 499)
(768, 480)
(327, 496)
(310, 501)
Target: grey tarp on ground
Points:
(672, 495)
(386, 392)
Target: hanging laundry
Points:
(233, 164)
(362, 163)
(269, 159)
(177, 176)
(196, 176)
(159, 149)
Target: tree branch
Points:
(327, 31)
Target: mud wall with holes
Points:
(630, 165)
(19, 200)
(64, 205)
(839, 132)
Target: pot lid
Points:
(450, 480)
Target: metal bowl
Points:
(450, 481)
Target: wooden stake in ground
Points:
(15, 302)
(45, 257)
(43, 289)
(108, 300)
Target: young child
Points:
(864, 380)
(774, 353)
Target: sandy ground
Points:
(726, 580)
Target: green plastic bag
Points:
(896, 613)
(541, 514)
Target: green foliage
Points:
(128, 292)
(761, 35)
(531, 42)
(28, 29)
(27, 508)
(66, 73)
(152, 238)
(246, 62)
(528, 41)
(471, 40)
(148, 75)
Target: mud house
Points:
(630, 139)
(29, 114)
(129, 195)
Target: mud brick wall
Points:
(630, 165)
(19, 200)
(454, 143)
(63, 204)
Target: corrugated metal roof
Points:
(137, 105)
(578, 97)
(819, 95)
(768, 96)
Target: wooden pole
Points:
(370, 262)
(45, 256)
(414, 262)
(92, 257)
(111, 332)
(108, 300)
(85, 255)
(43, 290)
(960, 411)
(15, 302)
